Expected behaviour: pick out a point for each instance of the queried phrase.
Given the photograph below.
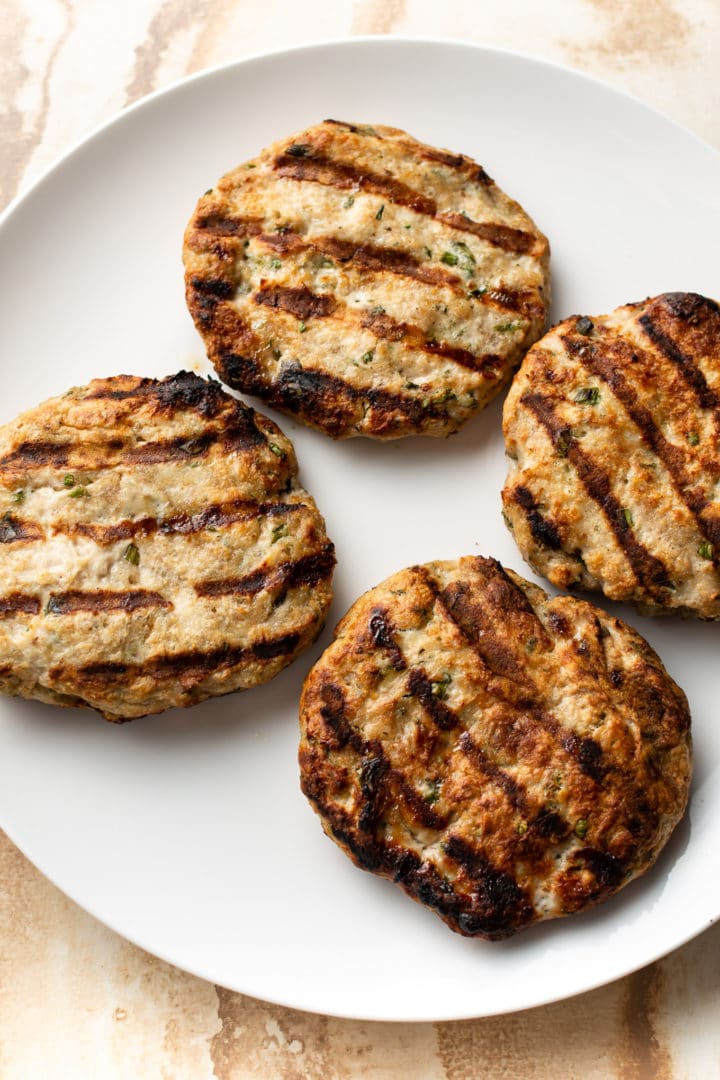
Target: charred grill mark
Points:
(514, 792)
(366, 257)
(382, 634)
(18, 531)
(685, 364)
(421, 688)
(299, 302)
(97, 600)
(309, 570)
(334, 714)
(607, 869)
(648, 569)
(190, 667)
(383, 326)
(35, 454)
(213, 288)
(320, 169)
(515, 241)
(602, 364)
(543, 530)
(18, 604)
(177, 392)
(501, 903)
(226, 225)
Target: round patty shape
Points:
(364, 282)
(156, 548)
(612, 427)
(503, 756)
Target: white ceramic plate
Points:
(187, 832)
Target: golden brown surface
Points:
(612, 427)
(503, 756)
(364, 282)
(156, 548)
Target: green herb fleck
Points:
(531, 645)
(348, 202)
(563, 441)
(18, 496)
(78, 493)
(323, 261)
(69, 480)
(507, 327)
(440, 686)
(581, 828)
(275, 264)
(446, 395)
(431, 791)
(277, 451)
(412, 385)
(302, 328)
(377, 310)
(507, 520)
(589, 395)
(449, 258)
(381, 211)
(705, 550)
(367, 357)
(278, 532)
(251, 165)
(521, 828)
(408, 226)
(299, 149)
(208, 191)
(428, 252)
(132, 554)
(584, 326)
(465, 257)
(627, 517)
(693, 438)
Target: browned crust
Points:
(523, 798)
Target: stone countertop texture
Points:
(78, 1001)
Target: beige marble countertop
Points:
(78, 1001)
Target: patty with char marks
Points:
(502, 756)
(364, 282)
(156, 548)
(612, 428)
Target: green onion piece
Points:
(521, 828)
(693, 438)
(302, 328)
(531, 645)
(275, 264)
(589, 395)
(18, 496)
(627, 516)
(132, 554)
(381, 211)
(69, 480)
(78, 493)
(367, 357)
(507, 327)
(705, 550)
(449, 258)
(440, 686)
(581, 828)
(251, 165)
(299, 149)
(348, 202)
(278, 532)
(277, 451)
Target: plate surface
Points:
(187, 832)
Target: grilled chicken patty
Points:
(156, 548)
(612, 427)
(364, 282)
(503, 756)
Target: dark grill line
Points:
(190, 667)
(242, 435)
(648, 569)
(421, 688)
(212, 517)
(498, 891)
(382, 635)
(309, 570)
(376, 769)
(226, 225)
(584, 751)
(97, 600)
(684, 363)
(175, 393)
(514, 792)
(320, 169)
(18, 531)
(16, 603)
(672, 457)
(303, 304)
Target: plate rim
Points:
(147, 101)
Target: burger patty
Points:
(156, 548)
(612, 427)
(364, 282)
(502, 756)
